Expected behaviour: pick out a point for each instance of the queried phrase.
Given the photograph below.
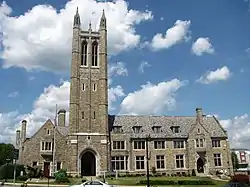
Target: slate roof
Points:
(63, 130)
(185, 123)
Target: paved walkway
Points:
(54, 185)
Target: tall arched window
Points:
(84, 53)
(95, 53)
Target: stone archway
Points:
(200, 165)
(88, 164)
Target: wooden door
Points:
(46, 169)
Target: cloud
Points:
(152, 99)
(142, 66)
(201, 46)
(44, 108)
(114, 94)
(174, 35)
(41, 37)
(8, 124)
(116, 69)
(13, 94)
(221, 74)
(238, 130)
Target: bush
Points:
(193, 172)
(180, 182)
(241, 178)
(153, 170)
(7, 171)
(61, 177)
(22, 178)
(34, 172)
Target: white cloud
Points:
(238, 131)
(116, 69)
(13, 94)
(142, 66)
(8, 124)
(152, 99)
(114, 94)
(44, 108)
(221, 74)
(41, 37)
(202, 45)
(174, 35)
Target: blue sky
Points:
(36, 54)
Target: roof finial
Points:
(90, 25)
(103, 13)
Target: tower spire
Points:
(103, 21)
(77, 20)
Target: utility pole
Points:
(14, 180)
(54, 143)
(147, 155)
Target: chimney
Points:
(18, 136)
(61, 117)
(199, 115)
(23, 132)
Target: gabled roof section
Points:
(48, 122)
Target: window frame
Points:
(141, 161)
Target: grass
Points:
(132, 181)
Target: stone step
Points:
(90, 178)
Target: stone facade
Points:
(95, 142)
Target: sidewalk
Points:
(34, 184)
(54, 185)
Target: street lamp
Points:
(148, 138)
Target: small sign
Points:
(15, 154)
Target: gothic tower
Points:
(88, 118)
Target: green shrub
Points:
(175, 182)
(34, 172)
(22, 178)
(61, 176)
(7, 171)
(193, 172)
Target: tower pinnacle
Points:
(77, 20)
(103, 22)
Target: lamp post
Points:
(148, 138)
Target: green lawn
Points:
(132, 181)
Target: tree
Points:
(235, 161)
(6, 153)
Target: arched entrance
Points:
(200, 165)
(88, 164)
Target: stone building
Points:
(94, 142)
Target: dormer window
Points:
(117, 129)
(156, 129)
(137, 129)
(175, 129)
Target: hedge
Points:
(7, 171)
(176, 182)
